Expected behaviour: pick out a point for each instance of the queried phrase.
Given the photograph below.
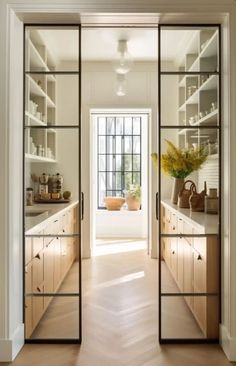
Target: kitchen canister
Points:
(212, 202)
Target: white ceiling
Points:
(101, 44)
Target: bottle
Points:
(29, 196)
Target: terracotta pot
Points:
(176, 188)
(114, 203)
(133, 204)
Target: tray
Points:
(51, 200)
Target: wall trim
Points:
(9, 348)
(227, 343)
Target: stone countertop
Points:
(204, 223)
(48, 213)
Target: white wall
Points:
(98, 91)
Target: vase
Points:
(177, 186)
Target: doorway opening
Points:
(120, 185)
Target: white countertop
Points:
(49, 212)
(204, 223)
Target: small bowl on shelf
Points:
(114, 203)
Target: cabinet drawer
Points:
(37, 244)
(37, 272)
(187, 229)
(200, 245)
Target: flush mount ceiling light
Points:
(123, 61)
(121, 85)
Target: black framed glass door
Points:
(52, 183)
(189, 214)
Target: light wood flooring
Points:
(120, 321)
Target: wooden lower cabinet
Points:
(194, 265)
(47, 262)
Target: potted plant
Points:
(133, 197)
(179, 163)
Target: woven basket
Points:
(114, 203)
(197, 200)
(184, 194)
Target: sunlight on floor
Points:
(112, 246)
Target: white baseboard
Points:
(9, 348)
(228, 343)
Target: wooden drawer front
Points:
(200, 246)
(57, 263)
(38, 308)
(28, 278)
(200, 313)
(174, 256)
(188, 271)
(187, 229)
(200, 273)
(37, 272)
(180, 273)
(180, 226)
(37, 244)
(49, 230)
(174, 224)
(48, 271)
(28, 250)
(28, 316)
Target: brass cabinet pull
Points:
(38, 256)
(63, 230)
(173, 227)
(55, 221)
(38, 289)
(199, 257)
(173, 252)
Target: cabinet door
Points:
(188, 271)
(28, 301)
(57, 274)
(37, 287)
(48, 271)
(37, 245)
(174, 246)
(180, 274)
(28, 250)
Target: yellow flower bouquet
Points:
(180, 162)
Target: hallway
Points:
(120, 321)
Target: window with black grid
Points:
(119, 155)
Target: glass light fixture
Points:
(123, 61)
(121, 85)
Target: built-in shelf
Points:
(34, 121)
(39, 159)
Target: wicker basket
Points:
(184, 194)
(114, 203)
(197, 200)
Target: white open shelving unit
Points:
(40, 101)
(198, 94)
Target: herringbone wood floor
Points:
(120, 321)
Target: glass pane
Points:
(102, 162)
(118, 162)
(118, 144)
(119, 125)
(118, 181)
(54, 317)
(136, 178)
(102, 144)
(186, 317)
(128, 126)
(128, 180)
(190, 100)
(44, 51)
(101, 125)
(196, 160)
(51, 100)
(196, 49)
(51, 179)
(110, 125)
(136, 126)
(110, 147)
(136, 145)
(128, 163)
(136, 163)
(110, 167)
(128, 145)
(109, 181)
